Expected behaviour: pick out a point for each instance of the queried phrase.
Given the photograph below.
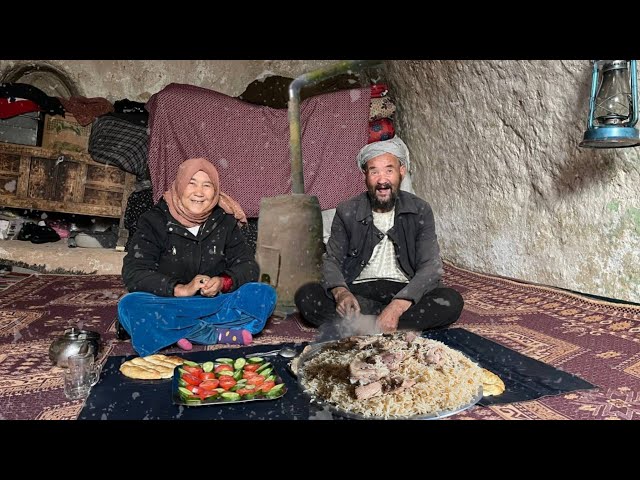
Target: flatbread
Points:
(151, 367)
(492, 384)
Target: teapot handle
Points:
(87, 347)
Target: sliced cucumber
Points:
(184, 392)
(270, 378)
(225, 372)
(182, 383)
(239, 363)
(263, 367)
(255, 360)
(190, 363)
(267, 372)
(207, 366)
(228, 361)
(231, 396)
(237, 375)
(275, 391)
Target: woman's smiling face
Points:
(198, 196)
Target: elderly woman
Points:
(191, 271)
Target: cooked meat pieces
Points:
(363, 373)
(364, 392)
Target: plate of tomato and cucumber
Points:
(226, 380)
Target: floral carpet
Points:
(596, 340)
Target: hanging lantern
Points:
(613, 106)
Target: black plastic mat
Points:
(117, 397)
(524, 377)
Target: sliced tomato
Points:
(249, 375)
(192, 370)
(257, 380)
(227, 382)
(223, 367)
(209, 384)
(245, 391)
(193, 389)
(207, 376)
(204, 394)
(191, 379)
(266, 386)
(251, 367)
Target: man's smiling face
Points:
(383, 176)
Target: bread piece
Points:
(151, 367)
(492, 384)
(141, 373)
(171, 359)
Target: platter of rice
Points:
(390, 376)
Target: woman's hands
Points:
(206, 285)
(191, 288)
(211, 287)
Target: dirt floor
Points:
(57, 255)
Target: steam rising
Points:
(347, 327)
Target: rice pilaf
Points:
(395, 375)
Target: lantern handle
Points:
(592, 98)
(634, 93)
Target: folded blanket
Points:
(115, 141)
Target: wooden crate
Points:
(63, 181)
(65, 133)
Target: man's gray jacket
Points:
(354, 236)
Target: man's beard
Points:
(382, 205)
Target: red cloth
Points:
(381, 129)
(379, 90)
(85, 110)
(249, 144)
(227, 283)
(11, 107)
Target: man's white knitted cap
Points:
(395, 147)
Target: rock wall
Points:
(137, 80)
(495, 149)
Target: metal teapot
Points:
(73, 341)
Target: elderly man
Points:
(383, 258)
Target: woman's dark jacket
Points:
(354, 236)
(163, 252)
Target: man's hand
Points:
(212, 287)
(347, 305)
(388, 319)
(191, 288)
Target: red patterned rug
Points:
(9, 278)
(35, 309)
(596, 340)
